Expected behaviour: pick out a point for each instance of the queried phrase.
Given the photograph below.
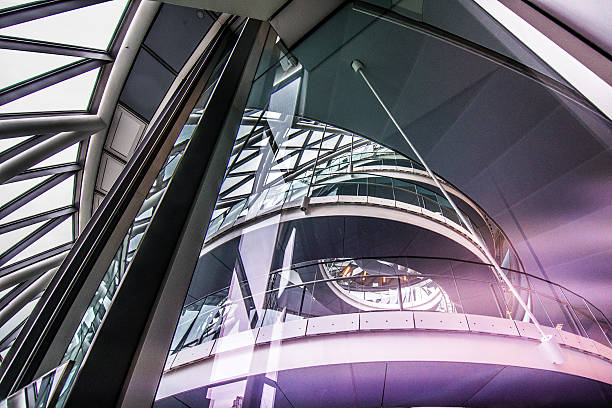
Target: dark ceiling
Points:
(537, 161)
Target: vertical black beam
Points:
(103, 379)
(46, 333)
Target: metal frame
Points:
(46, 171)
(34, 219)
(53, 318)
(47, 148)
(32, 193)
(24, 44)
(23, 146)
(31, 238)
(50, 78)
(28, 12)
(477, 49)
(44, 124)
(10, 270)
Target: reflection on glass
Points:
(103, 296)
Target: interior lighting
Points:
(346, 270)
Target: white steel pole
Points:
(358, 67)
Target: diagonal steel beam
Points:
(22, 147)
(15, 292)
(31, 271)
(30, 239)
(47, 215)
(30, 266)
(45, 80)
(46, 171)
(24, 44)
(38, 153)
(25, 295)
(49, 124)
(32, 193)
(28, 12)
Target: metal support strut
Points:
(546, 339)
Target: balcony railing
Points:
(327, 184)
(361, 285)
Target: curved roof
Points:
(55, 59)
(81, 82)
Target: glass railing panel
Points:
(604, 327)
(430, 204)
(582, 315)
(428, 293)
(539, 310)
(368, 285)
(284, 303)
(380, 187)
(186, 321)
(479, 298)
(321, 299)
(406, 196)
(556, 307)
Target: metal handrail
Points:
(394, 277)
(315, 184)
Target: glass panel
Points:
(556, 306)
(19, 66)
(6, 144)
(91, 26)
(8, 239)
(479, 298)
(59, 235)
(68, 155)
(467, 20)
(73, 94)
(10, 191)
(59, 196)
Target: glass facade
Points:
(307, 254)
(308, 224)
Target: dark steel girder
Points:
(46, 171)
(15, 291)
(47, 215)
(28, 12)
(22, 147)
(24, 44)
(30, 239)
(7, 270)
(50, 78)
(32, 193)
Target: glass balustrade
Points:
(336, 184)
(340, 286)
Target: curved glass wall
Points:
(282, 243)
(328, 163)
(260, 266)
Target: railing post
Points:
(399, 294)
(302, 300)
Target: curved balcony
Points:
(355, 187)
(344, 286)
